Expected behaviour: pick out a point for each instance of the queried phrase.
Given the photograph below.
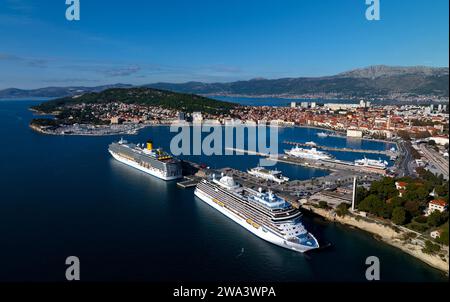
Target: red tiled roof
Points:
(439, 202)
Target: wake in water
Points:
(241, 253)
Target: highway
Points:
(406, 166)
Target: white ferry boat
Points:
(264, 214)
(371, 163)
(272, 175)
(322, 134)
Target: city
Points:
(204, 149)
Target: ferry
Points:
(371, 163)
(322, 134)
(153, 161)
(312, 153)
(272, 175)
(264, 214)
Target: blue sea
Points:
(65, 196)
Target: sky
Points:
(145, 41)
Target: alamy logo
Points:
(373, 271)
(228, 139)
(73, 271)
(373, 11)
(73, 10)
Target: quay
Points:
(189, 181)
(329, 165)
(383, 152)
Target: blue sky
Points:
(145, 41)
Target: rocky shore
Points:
(393, 236)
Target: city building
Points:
(354, 133)
(440, 140)
(435, 234)
(197, 117)
(181, 116)
(436, 205)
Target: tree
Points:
(404, 135)
(399, 216)
(342, 209)
(374, 205)
(431, 248)
(323, 204)
(413, 208)
(437, 218)
(444, 236)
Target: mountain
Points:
(372, 82)
(55, 92)
(377, 71)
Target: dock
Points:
(189, 182)
(383, 152)
(329, 165)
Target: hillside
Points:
(145, 96)
(55, 92)
(374, 81)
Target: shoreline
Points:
(386, 234)
(40, 130)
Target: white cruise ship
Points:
(371, 163)
(153, 161)
(272, 175)
(312, 153)
(262, 213)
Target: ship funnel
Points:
(149, 145)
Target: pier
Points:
(330, 165)
(189, 182)
(383, 152)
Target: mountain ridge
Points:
(377, 81)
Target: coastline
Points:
(386, 234)
(40, 130)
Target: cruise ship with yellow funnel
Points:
(153, 161)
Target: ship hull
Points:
(154, 172)
(263, 234)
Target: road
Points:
(406, 166)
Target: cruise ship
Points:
(264, 214)
(371, 163)
(312, 153)
(272, 175)
(155, 162)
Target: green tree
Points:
(437, 218)
(374, 205)
(431, 248)
(399, 216)
(412, 207)
(342, 209)
(443, 239)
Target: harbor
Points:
(145, 215)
